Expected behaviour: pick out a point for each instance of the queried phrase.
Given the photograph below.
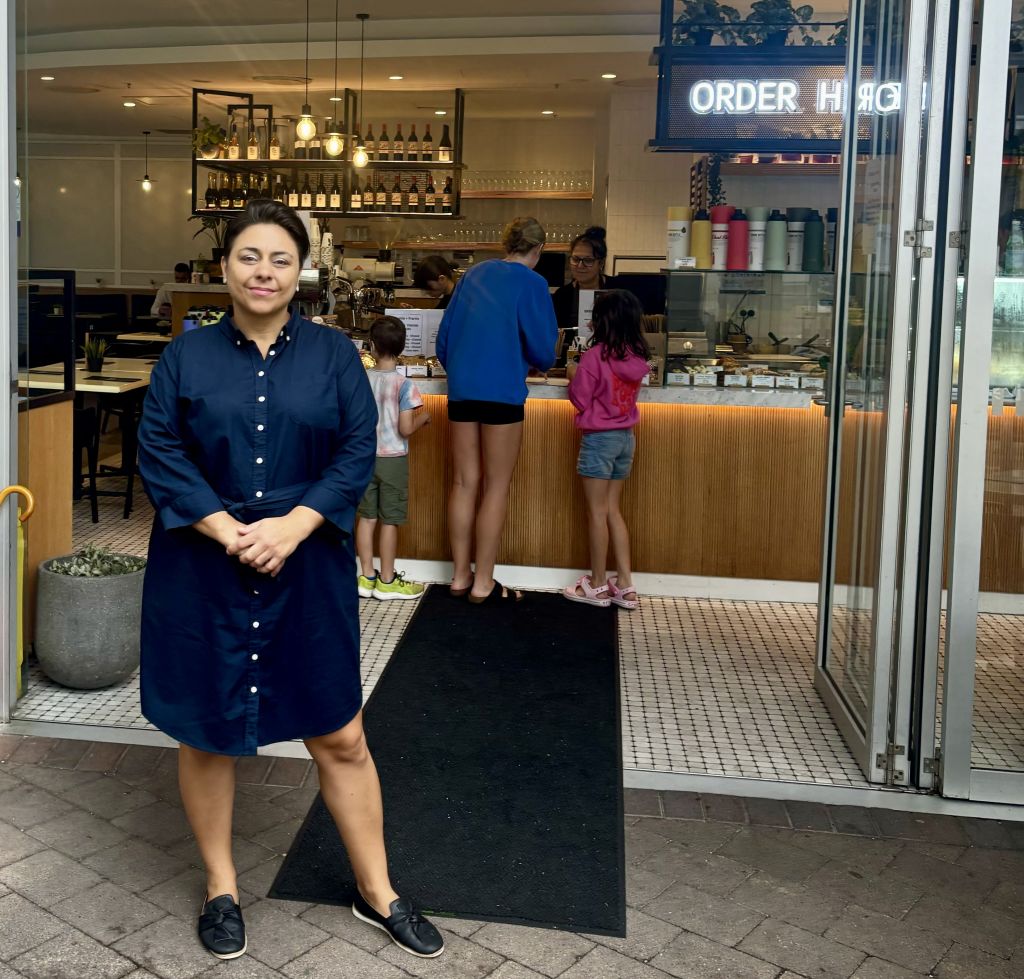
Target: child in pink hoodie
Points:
(604, 389)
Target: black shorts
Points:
(485, 412)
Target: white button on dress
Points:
(255, 625)
(261, 398)
(253, 690)
(259, 428)
(259, 460)
(255, 656)
(259, 493)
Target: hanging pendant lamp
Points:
(360, 157)
(335, 141)
(305, 128)
(147, 184)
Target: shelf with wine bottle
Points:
(527, 195)
(438, 245)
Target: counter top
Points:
(738, 397)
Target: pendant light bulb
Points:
(360, 157)
(306, 128)
(147, 184)
(334, 143)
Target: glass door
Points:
(858, 671)
(982, 724)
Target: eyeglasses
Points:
(583, 263)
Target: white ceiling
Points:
(548, 55)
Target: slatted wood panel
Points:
(45, 467)
(715, 491)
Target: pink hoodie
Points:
(605, 391)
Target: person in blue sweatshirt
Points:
(500, 323)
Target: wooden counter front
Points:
(716, 491)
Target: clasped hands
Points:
(266, 544)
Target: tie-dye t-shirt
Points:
(393, 393)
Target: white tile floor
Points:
(708, 687)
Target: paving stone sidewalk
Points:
(98, 880)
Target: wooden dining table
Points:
(123, 378)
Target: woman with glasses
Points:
(587, 254)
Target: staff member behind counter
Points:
(587, 254)
(436, 276)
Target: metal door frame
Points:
(877, 745)
(981, 208)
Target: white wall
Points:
(85, 210)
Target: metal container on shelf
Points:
(313, 285)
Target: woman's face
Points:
(585, 269)
(262, 271)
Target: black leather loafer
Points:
(408, 929)
(221, 928)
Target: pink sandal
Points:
(591, 595)
(623, 597)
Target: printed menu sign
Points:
(421, 326)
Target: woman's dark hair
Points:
(265, 211)
(595, 237)
(430, 270)
(387, 334)
(618, 324)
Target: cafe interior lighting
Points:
(305, 128)
(440, 112)
(147, 184)
(395, 78)
(359, 156)
(547, 112)
(46, 78)
(335, 141)
(609, 75)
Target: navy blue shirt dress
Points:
(231, 658)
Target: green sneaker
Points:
(365, 585)
(398, 587)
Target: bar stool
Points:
(86, 435)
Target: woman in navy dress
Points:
(257, 440)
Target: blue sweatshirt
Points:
(499, 323)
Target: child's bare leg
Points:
(364, 546)
(619, 534)
(388, 549)
(596, 493)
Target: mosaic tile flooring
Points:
(708, 686)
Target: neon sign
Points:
(781, 96)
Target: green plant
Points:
(770, 18)
(716, 195)
(699, 19)
(96, 562)
(215, 227)
(94, 348)
(207, 135)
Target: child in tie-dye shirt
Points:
(399, 411)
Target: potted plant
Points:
(88, 617)
(207, 139)
(700, 20)
(95, 349)
(770, 22)
(215, 227)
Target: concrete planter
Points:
(87, 629)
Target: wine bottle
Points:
(334, 197)
(299, 151)
(370, 144)
(396, 193)
(369, 198)
(224, 197)
(412, 145)
(238, 194)
(356, 200)
(413, 198)
(279, 194)
(380, 202)
(320, 198)
(446, 196)
(293, 195)
(384, 144)
(306, 194)
(430, 195)
(398, 146)
(212, 196)
(252, 147)
(427, 146)
(233, 149)
(313, 148)
(275, 146)
(444, 147)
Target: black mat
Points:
(496, 733)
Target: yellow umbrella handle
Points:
(30, 500)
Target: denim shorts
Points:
(607, 455)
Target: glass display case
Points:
(768, 329)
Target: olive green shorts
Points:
(387, 496)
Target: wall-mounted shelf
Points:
(446, 246)
(523, 195)
(328, 213)
(325, 164)
(780, 169)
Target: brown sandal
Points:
(499, 596)
(460, 592)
